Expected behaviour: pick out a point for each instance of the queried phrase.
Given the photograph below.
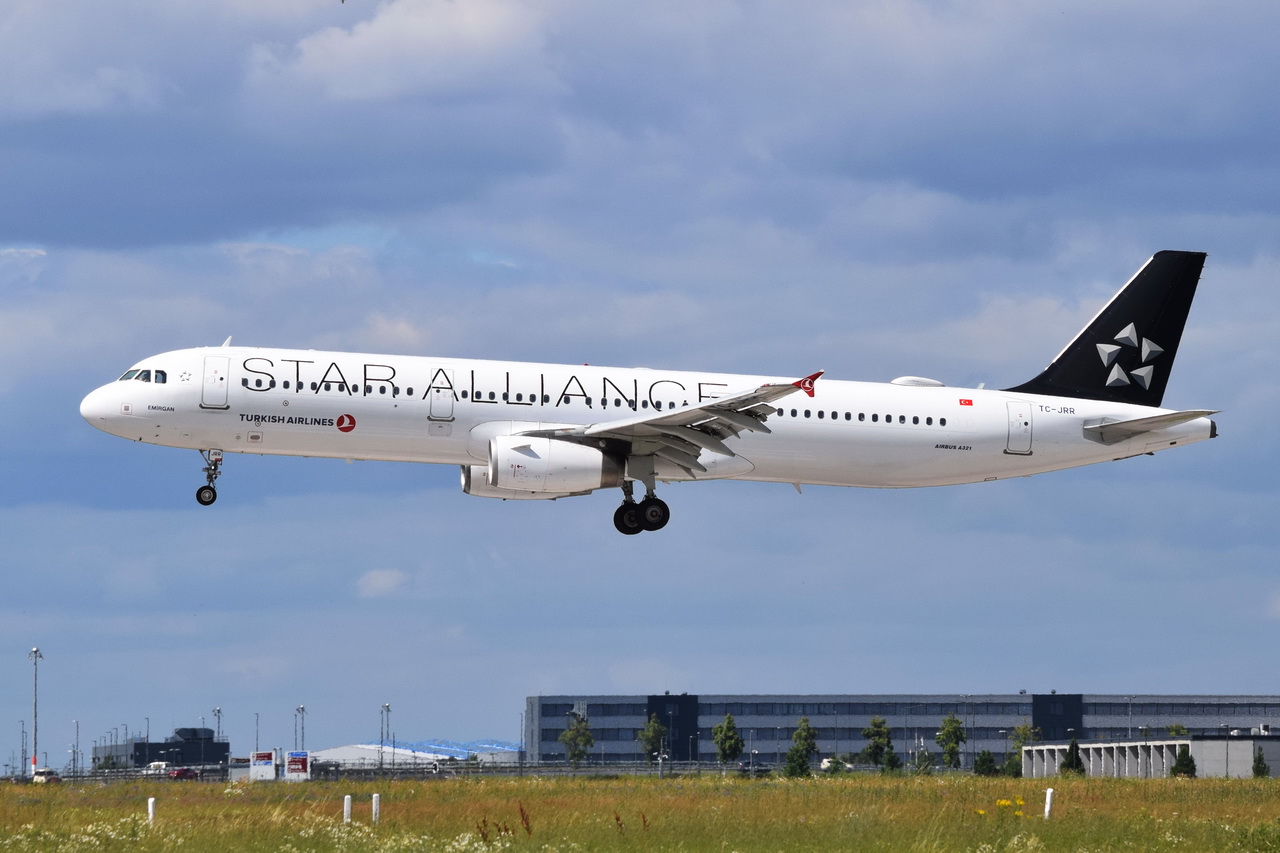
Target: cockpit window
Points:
(137, 375)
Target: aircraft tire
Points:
(627, 519)
(654, 514)
(206, 495)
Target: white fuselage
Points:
(414, 409)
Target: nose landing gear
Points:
(207, 494)
(649, 514)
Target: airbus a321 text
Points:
(547, 431)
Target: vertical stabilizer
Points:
(1126, 352)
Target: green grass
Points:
(936, 813)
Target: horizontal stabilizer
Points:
(1110, 432)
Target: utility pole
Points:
(36, 657)
(302, 713)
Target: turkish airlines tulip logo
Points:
(346, 423)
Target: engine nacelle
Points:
(475, 482)
(540, 468)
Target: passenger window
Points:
(942, 421)
(793, 413)
(915, 419)
(902, 419)
(875, 419)
(491, 395)
(821, 413)
(862, 416)
(464, 395)
(928, 421)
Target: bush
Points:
(1184, 765)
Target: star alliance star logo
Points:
(1127, 350)
(185, 377)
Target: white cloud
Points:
(417, 47)
(377, 583)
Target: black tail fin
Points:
(1125, 354)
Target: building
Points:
(1215, 755)
(767, 722)
(189, 747)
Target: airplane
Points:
(547, 431)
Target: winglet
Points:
(806, 384)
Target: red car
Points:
(184, 773)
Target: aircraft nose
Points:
(98, 407)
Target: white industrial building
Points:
(1217, 756)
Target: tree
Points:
(1184, 764)
(879, 742)
(950, 738)
(1260, 768)
(804, 745)
(985, 764)
(1073, 764)
(1177, 730)
(577, 739)
(1022, 734)
(892, 761)
(652, 737)
(729, 743)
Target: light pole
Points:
(1226, 750)
(75, 756)
(255, 731)
(1131, 698)
(384, 730)
(36, 657)
(217, 715)
(302, 714)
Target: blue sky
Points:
(870, 188)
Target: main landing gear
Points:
(649, 514)
(207, 494)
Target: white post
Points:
(151, 809)
(346, 809)
(376, 807)
(1048, 802)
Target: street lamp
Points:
(255, 731)
(217, 715)
(1131, 698)
(302, 715)
(35, 657)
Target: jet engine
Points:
(540, 468)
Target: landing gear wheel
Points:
(654, 513)
(207, 494)
(627, 519)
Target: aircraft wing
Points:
(1114, 431)
(680, 435)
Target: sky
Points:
(873, 189)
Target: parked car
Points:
(45, 776)
(184, 773)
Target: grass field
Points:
(931, 813)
